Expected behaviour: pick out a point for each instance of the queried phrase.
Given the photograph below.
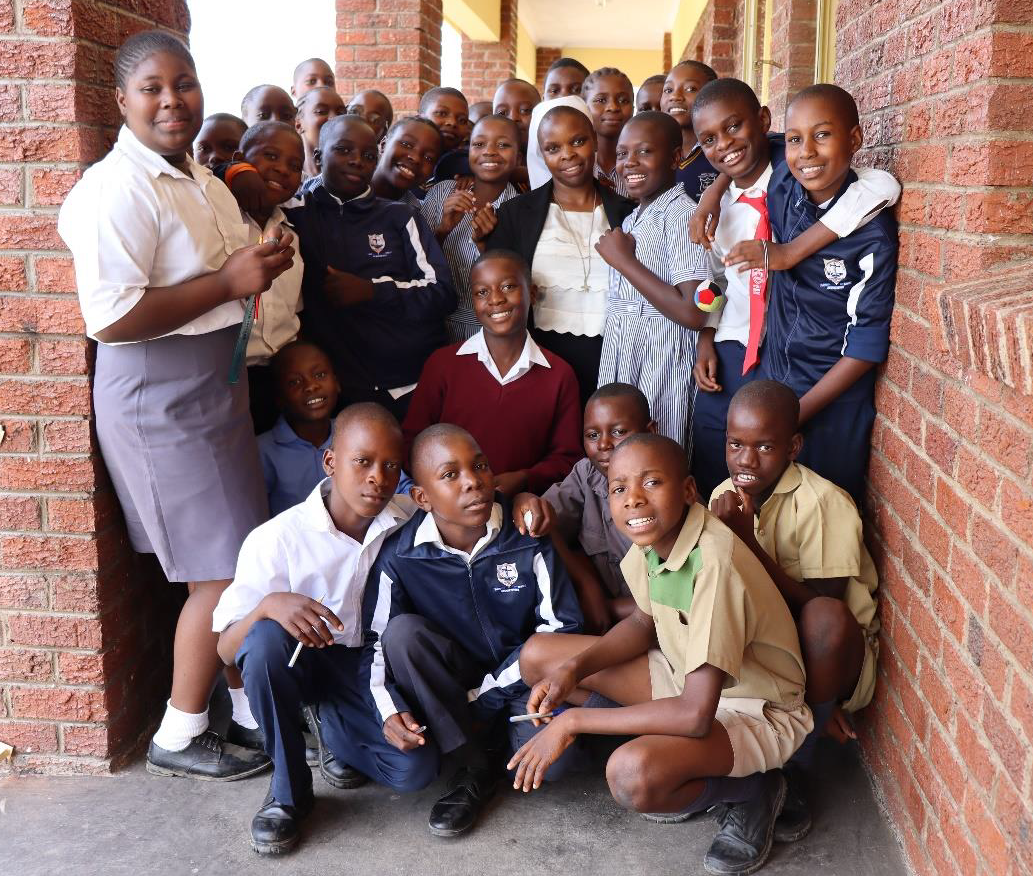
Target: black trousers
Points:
(580, 352)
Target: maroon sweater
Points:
(531, 423)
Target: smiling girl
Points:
(611, 101)
(163, 267)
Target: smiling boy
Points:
(411, 151)
(518, 401)
(376, 288)
(453, 596)
(679, 92)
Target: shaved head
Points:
(773, 401)
(365, 414)
(838, 98)
(623, 390)
(431, 439)
(666, 454)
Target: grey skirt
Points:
(178, 443)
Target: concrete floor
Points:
(134, 823)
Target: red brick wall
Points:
(84, 627)
(714, 40)
(945, 91)
(544, 56)
(391, 45)
(667, 52)
(487, 64)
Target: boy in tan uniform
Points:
(807, 533)
(718, 707)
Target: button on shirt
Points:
(713, 602)
(301, 551)
(291, 465)
(135, 222)
(530, 355)
(427, 533)
(276, 323)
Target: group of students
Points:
(562, 410)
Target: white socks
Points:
(178, 728)
(241, 709)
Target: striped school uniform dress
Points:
(641, 346)
(461, 252)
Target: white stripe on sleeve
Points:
(377, 670)
(509, 675)
(867, 265)
(550, 623)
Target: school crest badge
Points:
(706, 180)
(506, 573)
(835, 270)
(376, 243)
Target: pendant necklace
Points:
(586, 263)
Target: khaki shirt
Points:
(811, 528)
(713, 602)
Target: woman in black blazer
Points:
(555, 228)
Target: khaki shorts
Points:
(763, 736)
(865, 688)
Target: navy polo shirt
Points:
(695, 173)
(838, 302)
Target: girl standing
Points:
(163, 268)
(611, 102)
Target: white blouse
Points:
(276, 323)
(134, 221)
(566, 249)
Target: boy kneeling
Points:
(718, 707)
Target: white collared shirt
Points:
(301, 551)
(530, 355)
(427, 533)
(276, 323)
(135, 222)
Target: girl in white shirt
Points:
(163, 271)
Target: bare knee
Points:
(826, 629)
(535, 658)
(630, 773)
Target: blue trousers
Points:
(710, 418)
(328, 678)
(837, 442)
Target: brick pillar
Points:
(793, 32)
(85, 626)
(714, 39)
(543, 57)
(487, 64)
(667, 52)
(391, 45)
(944, 90)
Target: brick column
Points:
(486, 64)
(391, 45)
(667, 52)
(793, 31)
(714, 39)
(85, 627)
(543, 58)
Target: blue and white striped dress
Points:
(641, 346)
(461, 252)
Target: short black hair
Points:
(506, 120)
(842, 101)
(668, 126)
(508, 255)
(566, 62)
(596, 75)
(725, 88)
(655, 79)
(622, 390)
(709, 72)
(773, 398)
(227, 117)
(433, 435)
(365, 412)
(140, 46)
(260, 130)
(665, 447)
(308, 95)
(277, 360)
(379, 94)
(430, 95)
(253, 91)
(297, 69)
(514, 80)
(420, 120)
(331, 125)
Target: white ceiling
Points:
(629, 24)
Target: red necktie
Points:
(758, 283)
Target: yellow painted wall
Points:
(478, 19)
(689, 14)
(526, 63)
(639, 64)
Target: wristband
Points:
(238, 167)
(709, 298)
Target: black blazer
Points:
(521, 219)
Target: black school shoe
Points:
(207, 758)
(468, 792)
(335, 773)
(275, 827)
(794, 823)
(245, 737)
(747, 831)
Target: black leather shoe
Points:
(207, 758)
(794, 822)
(245, 737)
(335, 773)
(311, 749)
(468, 792)
(744, 841)
(274, 829)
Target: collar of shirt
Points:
(597, 483)
(156, 164)
(283, 434)
(427, 533)
(530, 355)
(790, 480)
(691, 530)
(659, 204)
(760, 187)
(694, 153)
(317, 516)
(277, 217)
(321, 191)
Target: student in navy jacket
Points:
(828, 319)
(453, 596)
(376, 287)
